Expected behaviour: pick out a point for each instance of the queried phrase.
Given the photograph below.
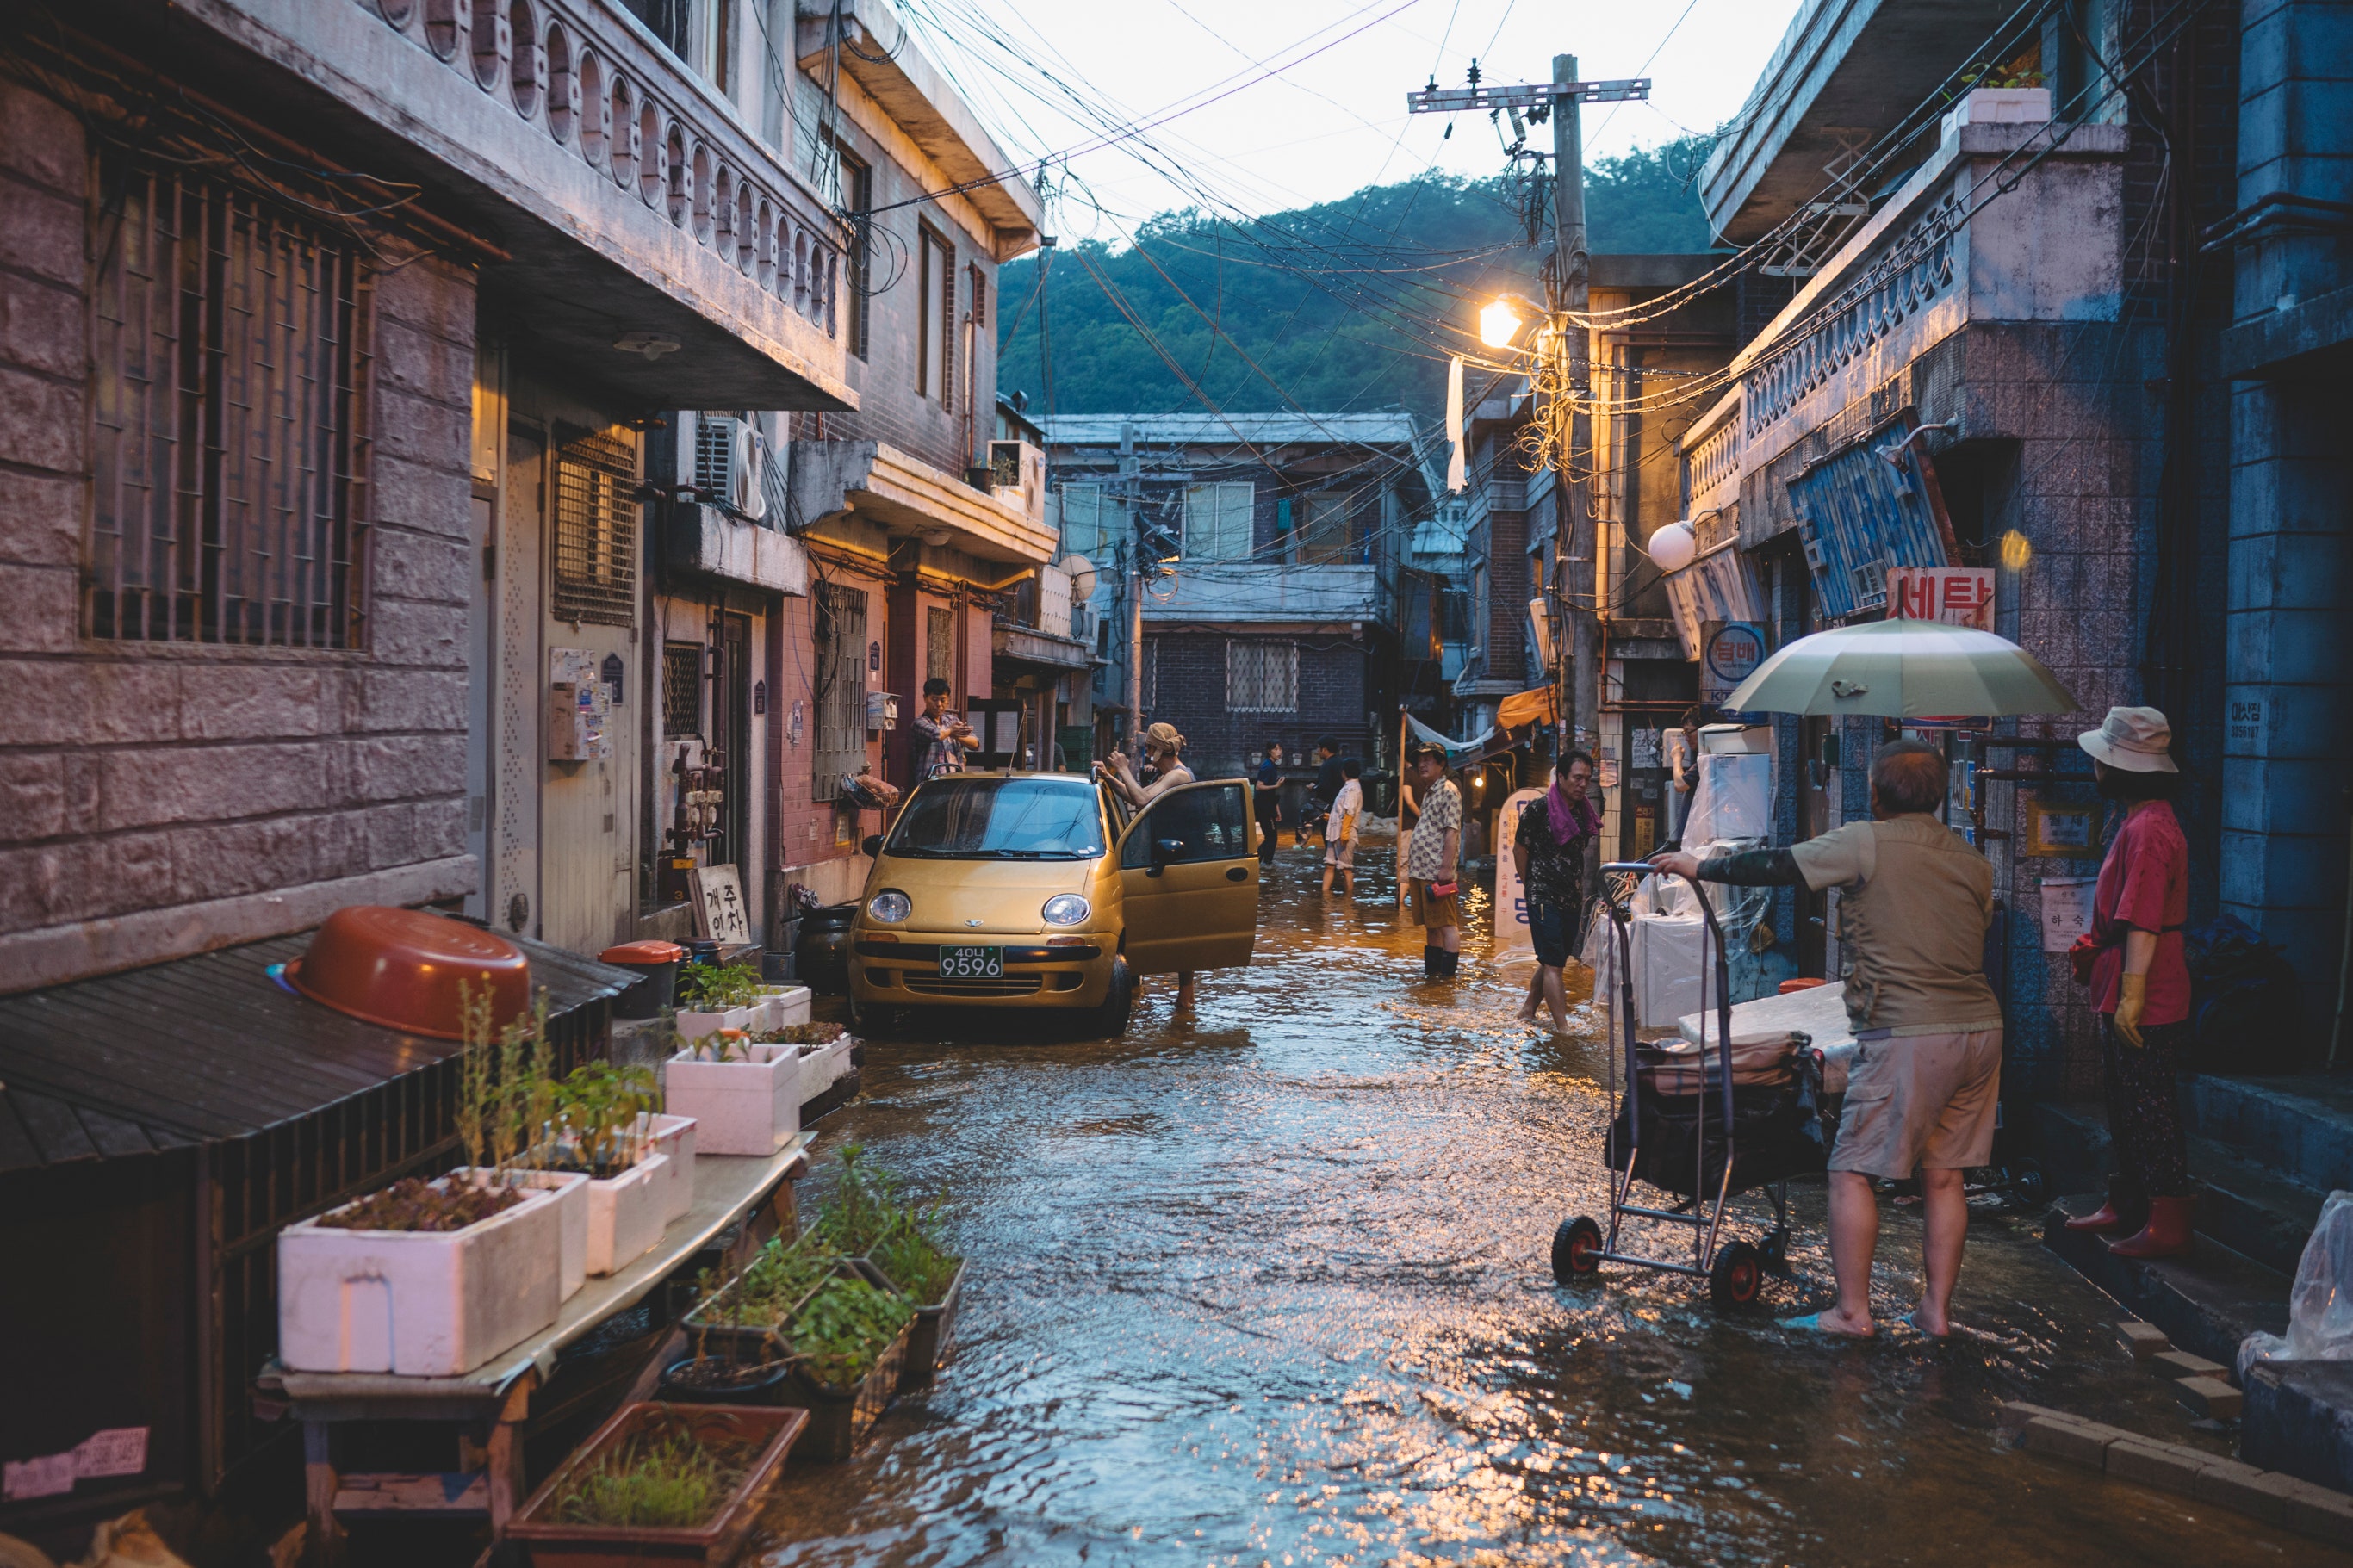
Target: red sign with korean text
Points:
(1957, 596)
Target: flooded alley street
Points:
(1272, 1286)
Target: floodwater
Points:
(1271, 1286)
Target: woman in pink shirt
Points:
(2140, 984)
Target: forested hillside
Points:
(1341, 307)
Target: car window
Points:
(982, 818)
(1207, 820)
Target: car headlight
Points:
(1066, 909)
(890, 905)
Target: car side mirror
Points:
(1164, 850)
(873, 846)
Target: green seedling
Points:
(845, 1328)
(715, 987)
(665, 1474)
(723, 1045)
(601, 1114)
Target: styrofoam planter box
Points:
(825, 1066)
(419, 1303)
(626, 1214)
(673, 1136)
(571, 1190)
(1999, 106)
(694, 1026)
(785, 1005)
(739, 1108)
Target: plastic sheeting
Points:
(1733, 800)
(2320, 1307)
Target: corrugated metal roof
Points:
(206, 1047)
(1382, 429)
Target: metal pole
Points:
(1576, 532)
(1136, 650)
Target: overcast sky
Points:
(1333, 119)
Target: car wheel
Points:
(1108, 1018)
(870, 1021)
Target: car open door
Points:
(1188, 880)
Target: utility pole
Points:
(1576, 535)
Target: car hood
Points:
(979, 896)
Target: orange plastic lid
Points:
(1790, 986)
(643, 953)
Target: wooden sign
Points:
(719, 913)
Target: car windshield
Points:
(981, 818)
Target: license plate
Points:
(972, 963)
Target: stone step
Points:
(2299, 1124)
(2245, 1203)
(2299, 1418)
(2206, 1302)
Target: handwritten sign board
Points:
(112, 1451)
(2066, 910)
(720, 912)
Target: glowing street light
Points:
(1500, 322)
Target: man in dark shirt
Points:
(1268, 798)
(1548, 847)
(1328, 778)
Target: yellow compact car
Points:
(1011, 889)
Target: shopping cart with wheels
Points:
(1704, 1123)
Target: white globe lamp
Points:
(1672, 547)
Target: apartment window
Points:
(935, 318)
(939, 646)
(1323, 536)
(682, 691)
(670, 21)
(596, 531)
(1085, 531)
(858, 197)
(230, 420)
(722, 48)
(1217, 521)
(840, 685)
(1262, 678)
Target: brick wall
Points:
(1190, 693)
(142, 779)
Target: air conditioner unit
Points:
(1016, 476)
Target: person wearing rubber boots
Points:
(1915, 904)
(2133, 960)
(1433, 864)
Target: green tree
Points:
(1349, 305)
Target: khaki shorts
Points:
(1920, 1102)
(1342, 854)
(1424, 908)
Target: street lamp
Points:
(1501, 320)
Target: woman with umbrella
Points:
(2133, 960)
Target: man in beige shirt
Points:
(1915, 904)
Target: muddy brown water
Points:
(1270, 1286)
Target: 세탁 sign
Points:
(1957, 596)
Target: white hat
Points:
(2134, 739)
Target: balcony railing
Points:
(589, 77)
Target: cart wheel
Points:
(1737, 1276)
(1576, 1250)
(2026, 1184)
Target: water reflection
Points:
(1269, 1286)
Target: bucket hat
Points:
(2137, 739)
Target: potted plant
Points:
(506, 1104)
(848, 1341)
(658, 1482)
(743, 1095)
(828, 1056)
(782, 1006)
(865, 1216)
(712, 996)
(739, 1351)
(601, 1120)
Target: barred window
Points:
(596, 531)
(1262, 678)
(1151, 681)
(841, 685)
(230, 403)
(682, 691)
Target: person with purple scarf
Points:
(1555, 830)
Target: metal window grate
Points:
(682, 691)
(231, 371)
(939, 645)
(596, 531)
(842, 689)
(715, 455)
(1262, 678)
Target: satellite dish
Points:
(1083, 577)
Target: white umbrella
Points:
(1902, 669)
